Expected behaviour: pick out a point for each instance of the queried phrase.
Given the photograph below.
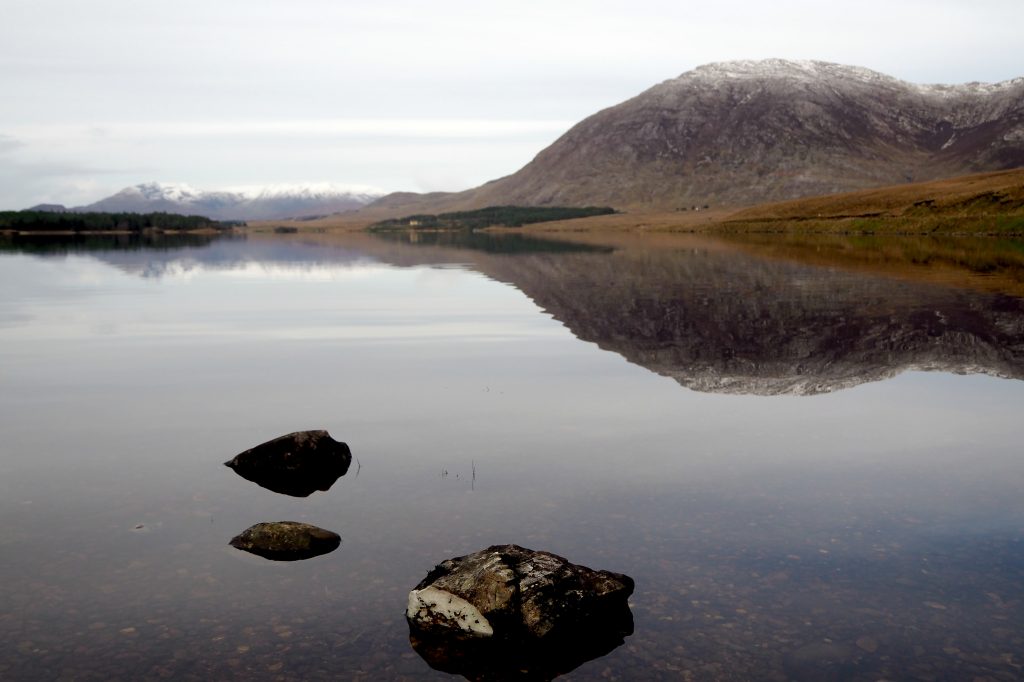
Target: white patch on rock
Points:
(1015, 135)
(432, 608)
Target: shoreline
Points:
(93, 233)
(984, 205)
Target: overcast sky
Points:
(397, 94)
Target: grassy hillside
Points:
(988, 203)
(984, 204)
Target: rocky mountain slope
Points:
(261, 203)
(740, 133)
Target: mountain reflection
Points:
(488, 242)
(169, 256)
(719, 320)
(712, 316)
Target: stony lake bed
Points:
(809, 466)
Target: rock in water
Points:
(296, 464)
(509, 611)
(286, 540)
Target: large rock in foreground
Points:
(286, 540)
(296, 464)
(509, 611)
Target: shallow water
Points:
(811, 472)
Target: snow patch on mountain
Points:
(814, 71)
(262, 202)
(774, 69)
(167, 191)
(310, 189)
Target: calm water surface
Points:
(812, 473)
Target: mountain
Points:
(257, 203)
(745, 132)
(48, 208)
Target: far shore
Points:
(986, 204)
(72, 233)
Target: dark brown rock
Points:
(507, 612)
(296, 464)
(286, 540)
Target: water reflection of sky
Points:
(857, 534)
(361, 300)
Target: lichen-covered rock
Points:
(506, 609)
(286, 540)
(296, 464)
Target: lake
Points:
(809, 462)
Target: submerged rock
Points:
(297, 464)
(286, 540)
(507, 612)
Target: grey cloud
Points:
(63, 170)
(8, 144)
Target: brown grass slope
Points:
(986, 203)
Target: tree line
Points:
(507, 216)
(47, 221)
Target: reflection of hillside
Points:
(169, 256)
(725, 321)
(985, 264)
(712, 316)
(488, 242)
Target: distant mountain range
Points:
(260, 203)
(724, 134)
(746, 132)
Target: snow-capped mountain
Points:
(269, 202)
(749, 131)
(745, 132)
